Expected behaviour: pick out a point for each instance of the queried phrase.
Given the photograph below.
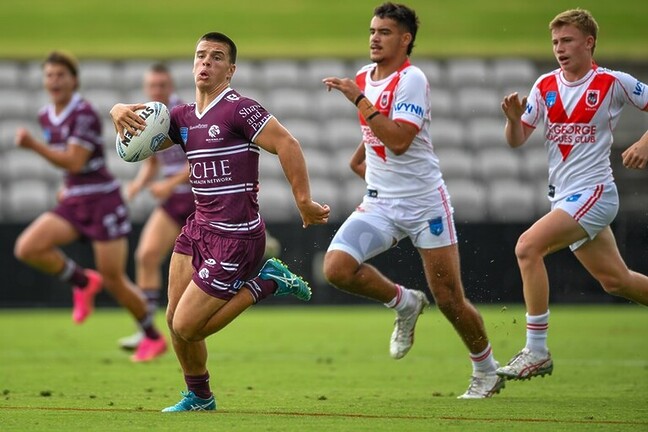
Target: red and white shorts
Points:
(379, 223)
(593, 208)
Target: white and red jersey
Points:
(404, 96)
(579, 118)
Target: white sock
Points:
(537, 328)
(403, 301)
(484, 361)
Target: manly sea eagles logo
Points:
(550, 98)
(592, 98)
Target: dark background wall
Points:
(489, 268)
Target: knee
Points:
(147, 257)
(525, 250)
(23, 250)
(185, 331)
(336, 272)
(613, 284)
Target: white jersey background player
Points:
(580, 105)
(406, 197)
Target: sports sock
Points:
(404, 300)
(484, 361)
(152, 298)
(148, 327)
(73, 273)
(537, 328)
(261, 288)
(199, 385)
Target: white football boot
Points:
(483, 385)
(527, 364)
(402, 337)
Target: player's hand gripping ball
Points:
(134, 148)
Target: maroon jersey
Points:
(79, 124)
(224, 161)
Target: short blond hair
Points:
(582, 19)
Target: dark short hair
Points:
(220, 37)
(403, 15)
(65, 59)
(160, 67)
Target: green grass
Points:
(324, 368)
(304, 28)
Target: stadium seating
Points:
(487, 180)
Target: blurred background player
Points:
(221, 247)
(173, 193)
(579, 104)
(406, 197)
(89, 205)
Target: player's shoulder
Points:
(616, 74)
(85, 107)
(366, 68)
(413, 72)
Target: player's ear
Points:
(231, 72)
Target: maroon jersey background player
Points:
(90, 205)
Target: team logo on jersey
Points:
(48, 134)
(436, 226)
(550, 98)
(184, 134)
(214, 131)
(383, 100)
(592, 98)
(232, 97)
(210, 261)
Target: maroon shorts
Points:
(221, 264)
(179, 207)
(97, 217)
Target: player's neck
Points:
(386, 67)
(577, 73)
(204, 98)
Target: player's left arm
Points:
(634, 93)
(276, 139)
(163, 188)
(636, 156)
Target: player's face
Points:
(386, 39)
(572, 48)
(212, 66)
(158, 86)
(59, 83)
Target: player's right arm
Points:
(515, 131)
(124, 119)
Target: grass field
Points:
(324, 368)
(305, 28)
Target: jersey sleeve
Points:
(175, 131)
(534, 110)
(86, 129)
(250, 118)
(411, 100)
(631, 90)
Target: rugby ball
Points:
(134, 148)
